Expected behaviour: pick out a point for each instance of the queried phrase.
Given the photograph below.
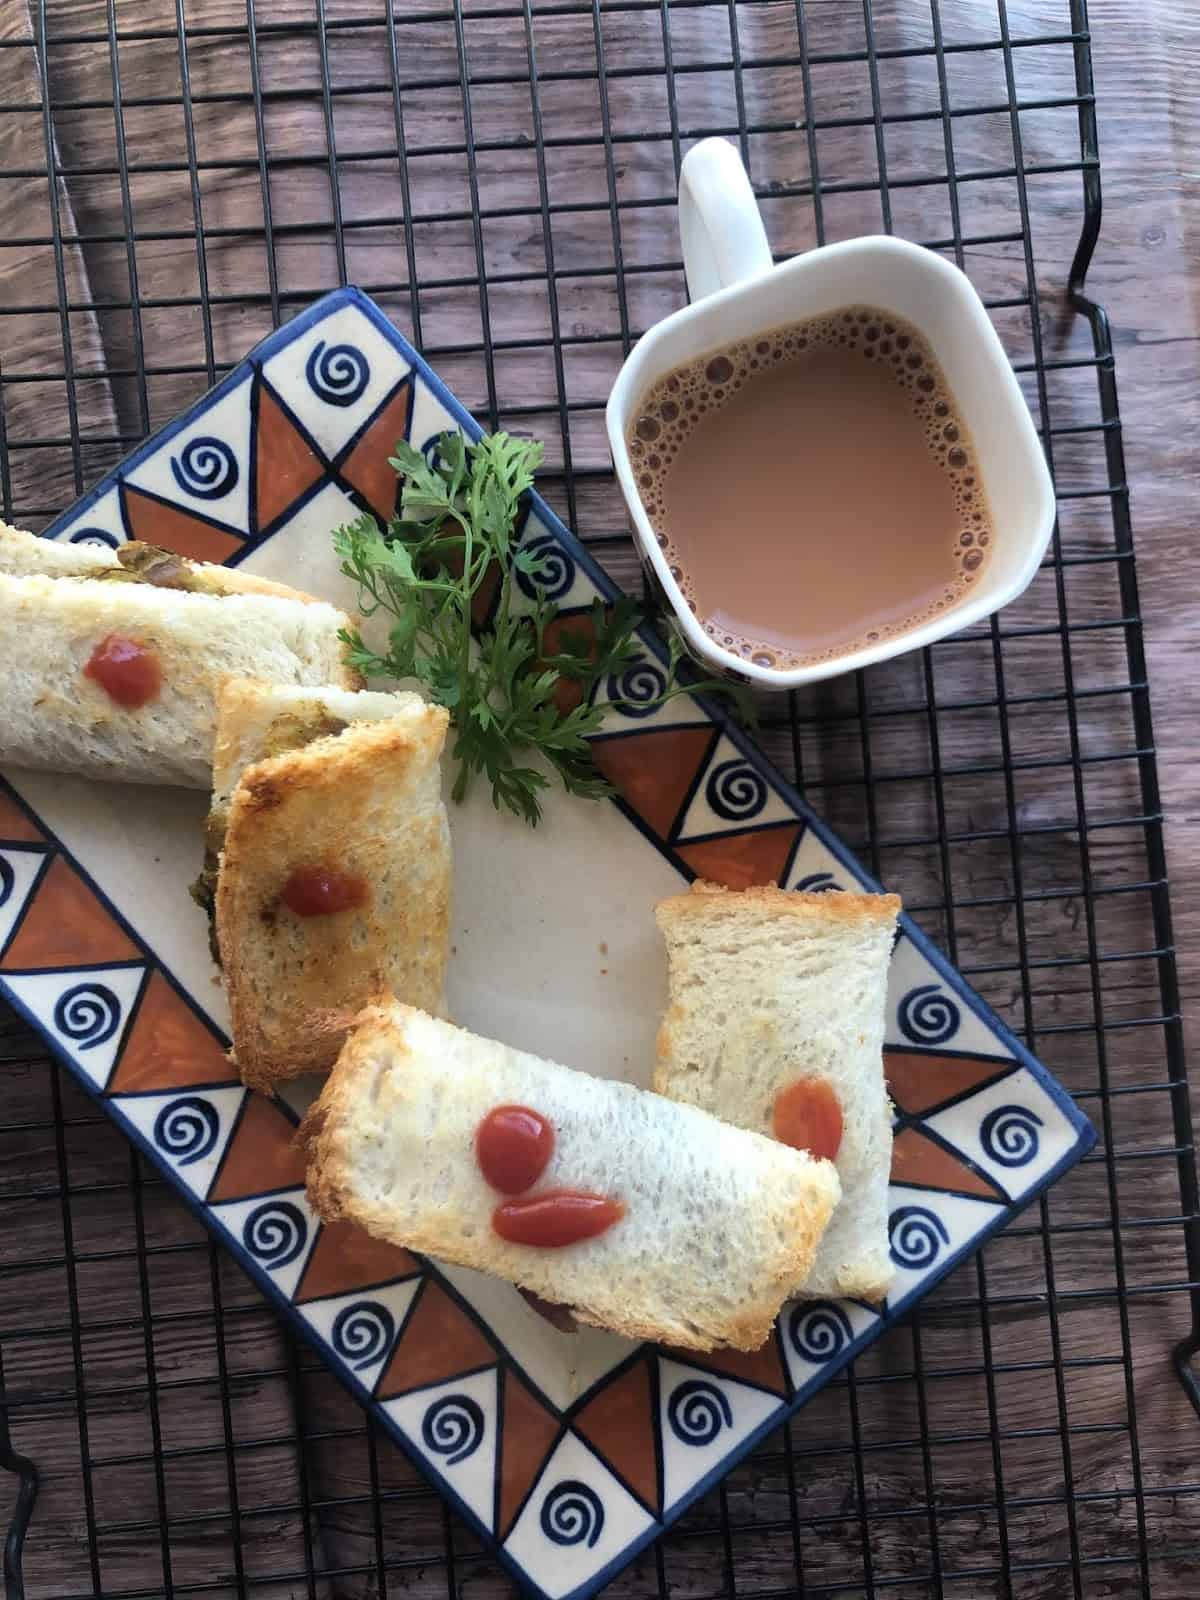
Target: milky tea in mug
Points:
(813, 488)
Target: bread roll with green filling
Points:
(325, 782)
(768, 987)
(24, 555)
(59, 718)
(258, 720)
(718, 1223)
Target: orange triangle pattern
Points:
(652, 772)
(481, 601)
(762, 1366)
(263, 1154)
(439, 1341)
(366, 467)
(174, 529)
(345, 1258)
(919, 1080)
(619, 1423)
(739, 860)
(169, 1047)
(530, 1433)
(568, 694)
(918, 1159)
(65, 925)
(285, 464)
(15, 826)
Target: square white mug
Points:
(737, 293)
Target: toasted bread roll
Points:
(718, 1223)
(768, 989)
(258, 720)
(58, 716)
(351, 806)
(24, 555)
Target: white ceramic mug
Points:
(737, 293)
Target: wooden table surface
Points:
(910, 1472)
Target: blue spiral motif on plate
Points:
(816, 883)
(735, 791)
(573, 1513)
(555, 571)
(187, 1129)
(206, 468)
(1009, 1135)
(362, 1332)
(7, 880)
(697, 1411)
(95, 536)
(430, 449)
(88, 1015)
(275, 1232)
(638, 688)
(337, 373)
(928, 1015)
(818, 1332)
(453, 1427)
(916, 1236)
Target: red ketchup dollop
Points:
(557, 1218)
(513, 1146)
(129, 672)
(808, 1116)
(323, 891)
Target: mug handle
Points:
(720, 229)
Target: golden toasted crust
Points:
(332, 1197)
(328, 1193)
(864, 1286)
(256, 720)
(366, 802)
(332, 1132)
(707, 899)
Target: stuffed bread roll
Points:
(775, 1022)
(642, 1216)
(114, 661)
(332, 854)
(25, 555)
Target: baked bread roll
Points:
(770, 989)
(717, 1225)
(332, 850)
(24, 555)
(114, 669)
(257, 720)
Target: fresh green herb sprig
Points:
(456, 532)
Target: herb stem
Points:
(457, 521)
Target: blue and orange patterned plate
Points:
(567, 1453)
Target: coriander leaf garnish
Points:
(519, 686)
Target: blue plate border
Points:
(1085, 1135)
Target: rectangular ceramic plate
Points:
(566, 1453)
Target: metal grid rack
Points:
(501, 176)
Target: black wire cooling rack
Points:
(180, 175)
